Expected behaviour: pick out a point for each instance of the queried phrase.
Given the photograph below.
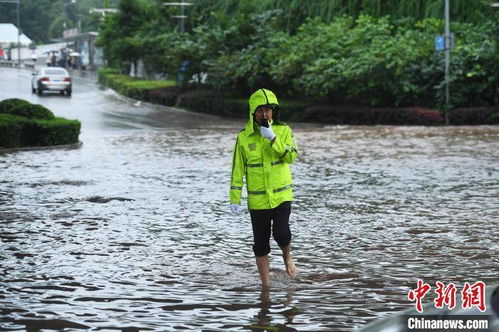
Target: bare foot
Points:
(288, 261)
(290, 266)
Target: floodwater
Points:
(132, 231)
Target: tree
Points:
(118, 35)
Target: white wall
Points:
(40, 49)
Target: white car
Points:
(51, 79)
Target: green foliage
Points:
(129, 86)
(333, 51)
(7, 105)
(244, 62)
(351, 115)
(213, 102)
(118, 37)
(25, 109)
(25, 124)
(11, 128)
(40, 16)
(294, 12)
(52, 132)
(474, 70)
(474, 116)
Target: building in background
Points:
(89, 56)
(8, 36)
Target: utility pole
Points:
(18, 34)
(495, 5)
(447, 38)
(182, 16)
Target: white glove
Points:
(267, 132)
(235, 208)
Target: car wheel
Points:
(40, 92)
(68, 92)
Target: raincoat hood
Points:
(258, 98)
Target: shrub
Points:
(25, 124)
(11, 129)
(474, 116)
(25, 109)
(202, 101)
(51, 132)
(7, 105)
(237, 108)
(292, 110)
(353, 115)
(212, 102)
(103, 75)
(163, 96)
(130, 86)
(30, 111)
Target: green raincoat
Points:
(264, 164)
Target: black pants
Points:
(265, 221)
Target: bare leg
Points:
(263, 268)
(288, 261)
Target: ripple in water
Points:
(132, 232)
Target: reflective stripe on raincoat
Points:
(265, 165)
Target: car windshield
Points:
(55, 72)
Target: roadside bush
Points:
(103, 75)
(212, 102)
(25, 109)
(130, 86)
(11, 129)
(203, 101)
(293, 110)
(24, 124)
(352, 115)
(237, 108)
(163, 96)
(51, 132)
(7, 105)
(474, 116)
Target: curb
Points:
(41, 148)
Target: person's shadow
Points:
(264, 316)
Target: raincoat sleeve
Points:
(285, 147)
(237, 175)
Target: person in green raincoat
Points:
(263, 153)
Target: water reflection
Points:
(265, 319)
(132, 231)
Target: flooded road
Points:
(133, 232)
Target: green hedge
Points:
(361, 115)
(25, 109)
(11, 131)
(474, 116)
(34, 125)
(163, 96)
(52, 132)
(212, 102)
(130, 86)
